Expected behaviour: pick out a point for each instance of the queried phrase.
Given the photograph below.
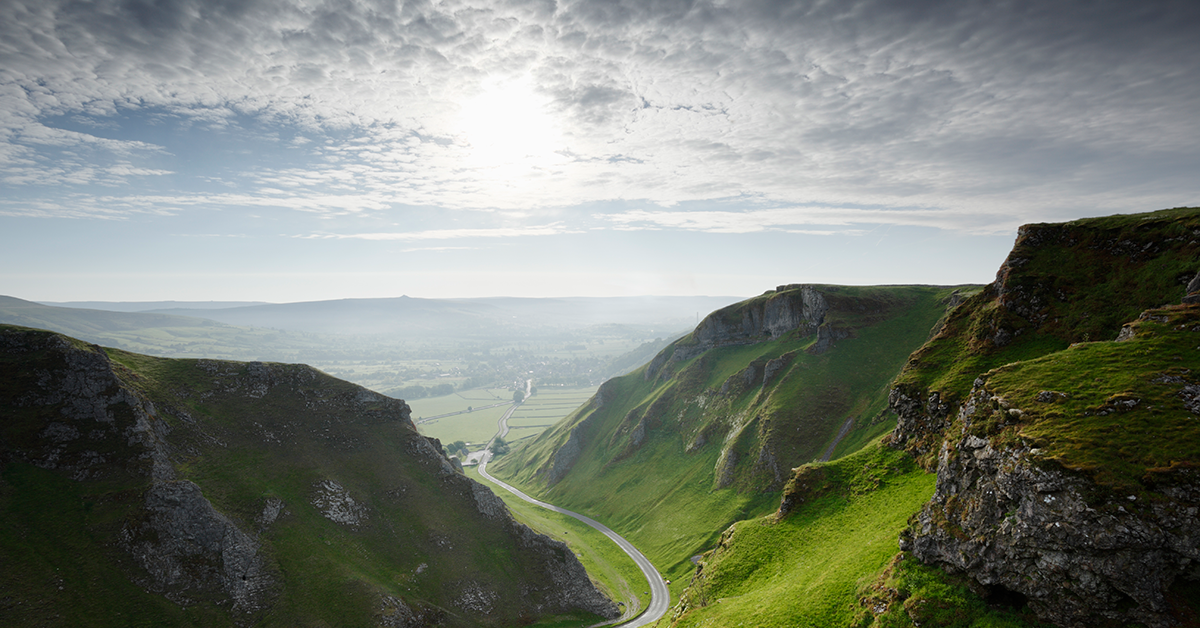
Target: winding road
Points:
(660, 597)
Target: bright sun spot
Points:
(509, 128)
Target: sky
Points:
(299, 150)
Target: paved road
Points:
(660, 597)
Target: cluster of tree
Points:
(499, 447)
(457, 448)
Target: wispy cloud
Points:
(788, 219)
(450, 234)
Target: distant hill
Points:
(157, 492)
(162, 334)
(149, 306)
(464, 318)
(86, 323)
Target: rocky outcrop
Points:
(568, 453)
(565, 456)
(826, 336)
(570, 586)
(190, 551)
(789, 308)
(1060, 284)
(95, 415)
(922, 417)
(1027, 530)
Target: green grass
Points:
(475, 427)
(805, 569)
(1091, 430)
(910, 594)
(433, 406)
(532, 417)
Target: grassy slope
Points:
(1091, 430)
(668, 505)
(832, 560)
(803, 570)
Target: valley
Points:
(1017, 454)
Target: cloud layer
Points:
(804, 116)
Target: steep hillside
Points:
(707, 432)
(1065, 465)
(148, 491)
(1064, 425)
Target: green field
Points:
(545, 408)
(458, 402)
(474, 428)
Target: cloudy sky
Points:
(314, 149)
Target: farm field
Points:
(545, 408)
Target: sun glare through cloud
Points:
(509, 129)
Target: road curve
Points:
(660, 597)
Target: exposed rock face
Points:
(571, 588)
(336, 503)
(97, 415)
(790, 308)
(190, 550)
(566, 455)
(1020, 525)
(923, 415)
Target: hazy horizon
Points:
(284, 151)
